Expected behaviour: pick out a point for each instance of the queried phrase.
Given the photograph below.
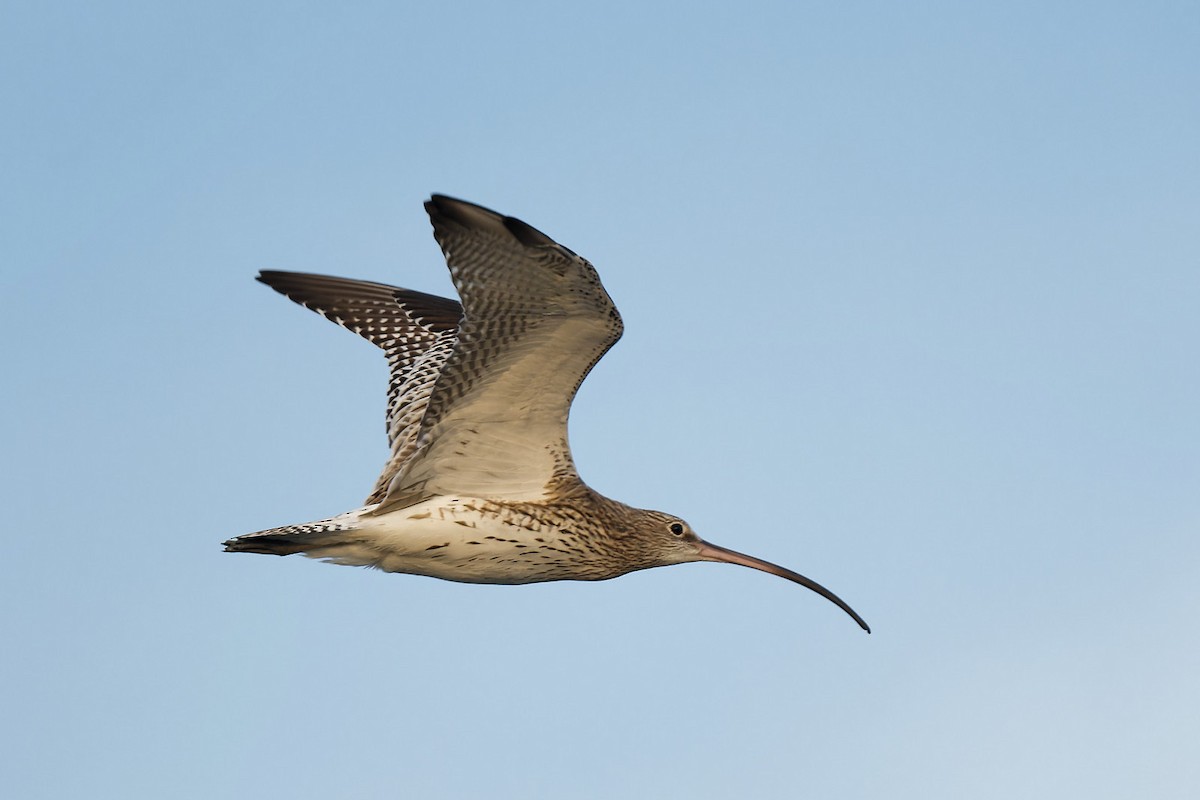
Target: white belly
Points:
(460, 539)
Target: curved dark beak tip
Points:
(862, 623)
(707, 551)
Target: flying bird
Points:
(480, 486)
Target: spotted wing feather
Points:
(536, 320)
(416, 331)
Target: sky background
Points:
(912, 306)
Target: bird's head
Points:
(673, 541)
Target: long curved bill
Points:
(712, 552)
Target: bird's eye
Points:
(677, 529)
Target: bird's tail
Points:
(314, 539)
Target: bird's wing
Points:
(416, 331)
(536, 320)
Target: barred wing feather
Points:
(415, 330)
(536, 320)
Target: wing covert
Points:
(536, 320)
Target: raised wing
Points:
(536, 320)
(416, 331)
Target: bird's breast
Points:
(477, 541)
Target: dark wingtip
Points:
(472, 215)
(270, 277)
(440, 206)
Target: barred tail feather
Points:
(312, 538)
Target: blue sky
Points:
(911, 296)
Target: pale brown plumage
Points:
(480, 485)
